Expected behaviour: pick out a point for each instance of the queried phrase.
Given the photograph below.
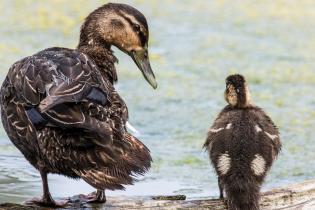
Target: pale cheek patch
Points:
(232, 99)
(248, 98)
(258, 165)
(232, 96)
(224, 163)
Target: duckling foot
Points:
(225, 202)
(47, 202)
(96, 197)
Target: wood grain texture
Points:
(294, 197)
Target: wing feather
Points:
(65, 88)
(269, 131)
(132, 161)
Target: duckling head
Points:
(237, 93)
(124, 27)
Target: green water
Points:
(194, 45)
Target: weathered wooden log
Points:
(297, 196)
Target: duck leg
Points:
(97, 197)
(220, 188)
(46, 199)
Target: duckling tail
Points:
(242, 193)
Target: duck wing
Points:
(54, 84)
(129, 163)
(221, 123)
(79, 119)
(256, 124)
(267, 130)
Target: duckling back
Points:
(242, 145)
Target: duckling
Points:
(60, 109)
(242, 143)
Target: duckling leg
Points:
(46, 200)
(97, 197)
(220, 187)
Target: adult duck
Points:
(60, 109)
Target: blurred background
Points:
(194, 45)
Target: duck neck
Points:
(242, 105)
(103, 57)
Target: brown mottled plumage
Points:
(242, 143)
(60, 109)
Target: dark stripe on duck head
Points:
(137, 28)
(129, 10)
(117, 23)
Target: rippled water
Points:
(194, 45)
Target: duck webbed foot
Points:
(96, 197)
(47, 202)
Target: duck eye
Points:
(136, 27)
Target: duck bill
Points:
(141, 58)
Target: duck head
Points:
(237, 92)
(124, 27)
